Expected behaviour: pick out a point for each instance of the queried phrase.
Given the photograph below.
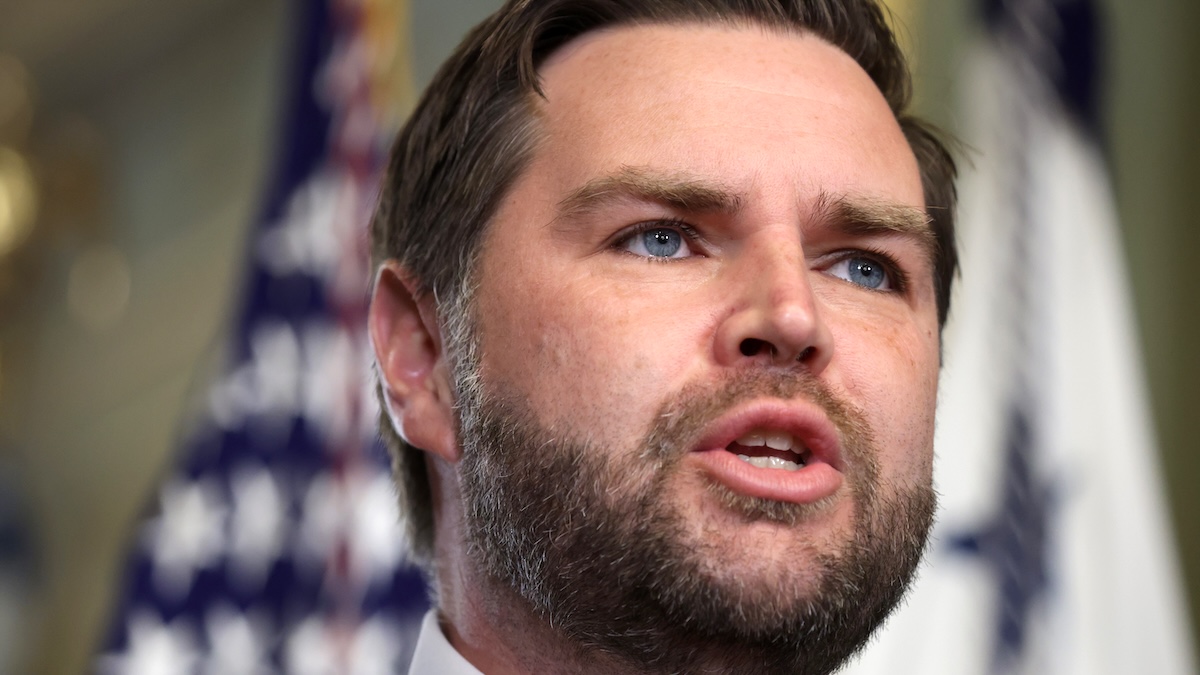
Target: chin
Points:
(638, 556)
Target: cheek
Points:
(581, 352)
(891, 374)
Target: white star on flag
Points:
(236, 644)
(305, 240)
(311, 650)
(187, 536)
(266, 387)
(257, 527)
(155, 648)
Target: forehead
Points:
(686, 96)
(621, 55)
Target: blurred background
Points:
(135, 144)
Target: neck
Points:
(494, 629)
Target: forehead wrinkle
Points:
(677, 190)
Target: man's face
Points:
(718, 244)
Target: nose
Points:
(774, 317)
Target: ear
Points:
(413, 371)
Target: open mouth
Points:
(786, 452)
(771, 450)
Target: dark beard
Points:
(589, 538)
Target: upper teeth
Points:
(778, 440)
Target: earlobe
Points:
(412, 369)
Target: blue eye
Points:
(862, 271)
(658, 242)
(662, 243)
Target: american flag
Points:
(273, 545)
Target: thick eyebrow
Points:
(864, 216)
(678, 191)
(848, 214)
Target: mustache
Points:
(683, 419)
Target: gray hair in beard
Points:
(587, 538)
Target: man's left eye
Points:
(658, 242)
(863, 271)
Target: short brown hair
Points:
(473, 133)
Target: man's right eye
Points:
(655, 240)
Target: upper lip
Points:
(805, 421)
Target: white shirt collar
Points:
(434, 654)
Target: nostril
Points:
(752, 346)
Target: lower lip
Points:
(806, 485)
